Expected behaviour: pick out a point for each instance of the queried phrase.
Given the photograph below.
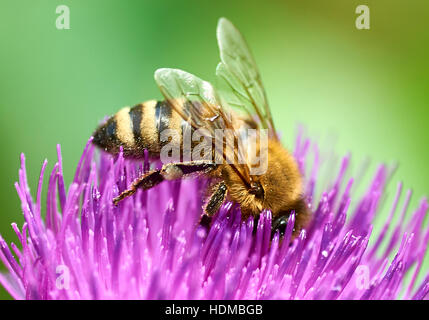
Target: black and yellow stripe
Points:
(138, 128)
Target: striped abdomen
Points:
(138, 128)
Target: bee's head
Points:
(281, 184)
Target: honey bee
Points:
(192, 104)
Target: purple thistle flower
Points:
(152, 247)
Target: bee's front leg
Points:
(213, 203)
(216, 199)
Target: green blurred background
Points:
(363, 91)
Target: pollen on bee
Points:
(172, 172)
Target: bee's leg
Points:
(213, 204)
(216, 199)
(255, 224)
(169, 171)
(302, 217)
(145, 181)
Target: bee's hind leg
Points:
(169, 171)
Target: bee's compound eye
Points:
(279, 224)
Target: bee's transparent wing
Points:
(196, 101)
(239, 72)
